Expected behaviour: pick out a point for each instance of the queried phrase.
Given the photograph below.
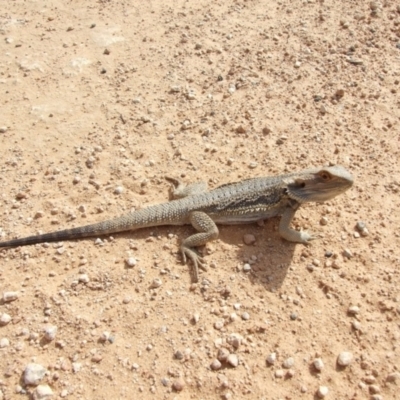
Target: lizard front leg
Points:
(207, 231)
(290, 234)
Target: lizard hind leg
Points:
(207, 231)
(179, 190)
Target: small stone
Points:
(10, 296)
(356, 326)
(4, 342)
(195, 318)
(97, 358)
(157, 282)
(339, 93)
(394, 377)
(105, 336)
(246, 268)
(178, 385)
(288, 363)
(42, 392)
(290, 373)
(223, 354)
(218, 325)
(3, 129)
(374, 389)
(370, 379)
(233, 360)
(279, 373)
(106, 52)
(266, 130)
(33, 374)
(215, 365)
(318, 364)
(76, 367)
(245, 316)
(361, 225)
(83, 278)
(271, 359)
(253, 164)
(50, 333)
(353, 310)
(235, 340)
(118, 190)
(323, 221)
(131, 262)
(249, 239)
(322, 392)
(345, 358)
(241, 129)
(4, 319)
(347, 253)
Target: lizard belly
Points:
(236, 219)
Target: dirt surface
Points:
(102, 99)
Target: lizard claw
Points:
(307, 237)
(196, 260)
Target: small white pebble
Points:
(104, 336)
(50, 333)
(322, 392)
(235, 340)
(83, 278)
(215, 365)
(157, 282)
(118, 190)
(246, 268)
(33, 374)
(10, 296)
(76, 367)
(223, 354)
(245, 316)
(233, 360)
(218, 325)
(347, 253)
(353, 310)
(4, 319)
(4, 342)
(3, 129)
(271, 359)
(356, 325)
(345, 358)
(288, 363)
(318, 364)
(42, 392)
(131, 262)
(279, 373)
(196, 318)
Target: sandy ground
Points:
(102, 99)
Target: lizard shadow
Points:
(269, 257)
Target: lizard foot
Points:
(196, 260)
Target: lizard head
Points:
(319, 184)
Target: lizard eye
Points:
(324, 175)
